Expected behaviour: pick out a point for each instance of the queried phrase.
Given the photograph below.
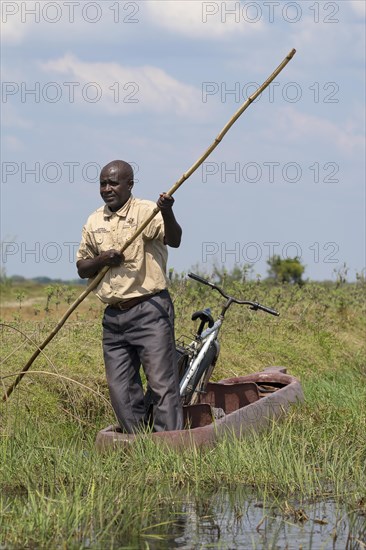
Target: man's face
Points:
(115, 186)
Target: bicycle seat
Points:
(205, 316)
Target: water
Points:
(236, 520)
(229, 520)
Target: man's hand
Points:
(165, 202)
(173, 231)
(89, 268)
(112, 257)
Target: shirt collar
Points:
(122, 212)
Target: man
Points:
(138, 322)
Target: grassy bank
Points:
(56, 491)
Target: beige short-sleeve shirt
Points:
(143, 270)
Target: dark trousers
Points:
(143, 334)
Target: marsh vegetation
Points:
(303, 479)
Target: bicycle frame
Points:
(197, 373)
(207, 337)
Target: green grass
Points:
(56, 491)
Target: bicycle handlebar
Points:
(200, 279)
(254, 305)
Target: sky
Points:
(153, 82)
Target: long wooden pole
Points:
(94, 283)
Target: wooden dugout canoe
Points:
(241, 405)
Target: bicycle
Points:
(197, 360)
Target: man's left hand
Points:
(165, 201)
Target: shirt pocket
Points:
(102, 240)
(134, 251)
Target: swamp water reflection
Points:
(237, 520)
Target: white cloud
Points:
(201, 19)
(359, 7)
(198, 19)
(60, 22)
(318, 43)
(12, 30)
(12, 119)
(13, 143)
(299, 126)
(124, 89)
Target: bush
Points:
(289, 270)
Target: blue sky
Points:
(153, 83)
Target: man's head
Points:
(116, 182)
